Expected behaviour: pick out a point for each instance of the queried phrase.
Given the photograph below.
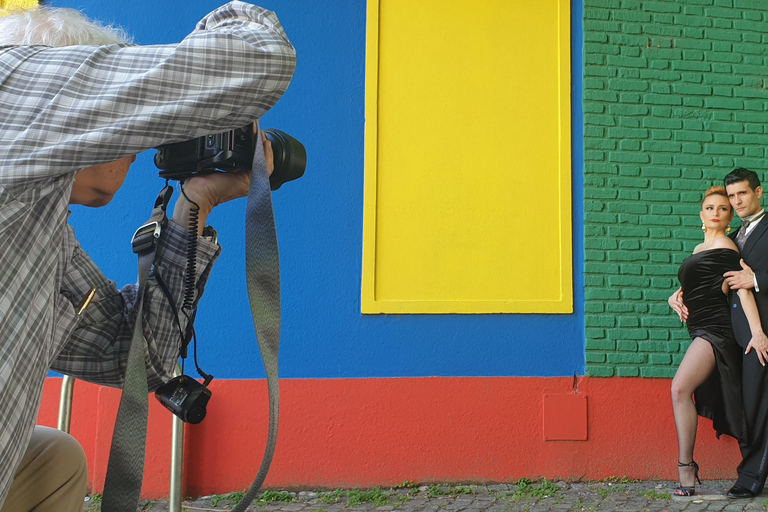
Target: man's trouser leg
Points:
(754, 466)
(52, 477)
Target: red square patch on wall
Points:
(565, 417)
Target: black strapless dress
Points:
(709, 317)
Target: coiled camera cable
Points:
(182, 395)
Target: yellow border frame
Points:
(368, 300)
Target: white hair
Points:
(57, 27)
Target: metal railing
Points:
(177, 439)
(65, 403)
(177, 456)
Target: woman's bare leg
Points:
(697, 365)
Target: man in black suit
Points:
(744, 191)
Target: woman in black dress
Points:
(711, 367)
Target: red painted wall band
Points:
(380, 432)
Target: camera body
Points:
(185, 397)
(231, 151)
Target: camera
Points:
(231, 151)
(185, 397)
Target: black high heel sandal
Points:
(688, 491)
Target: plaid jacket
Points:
(64, 109)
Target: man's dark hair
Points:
(741, 174)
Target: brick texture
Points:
(674, 98)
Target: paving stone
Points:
(293, 507)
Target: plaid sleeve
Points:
(98, 348)
(69, 108)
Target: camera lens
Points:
(290, 158)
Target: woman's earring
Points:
(703, 227)
(728, 230)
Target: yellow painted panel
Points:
(467, 179)
(17, 4)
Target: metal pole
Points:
(177, 455)
(65, 403)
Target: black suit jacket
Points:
(754, 254)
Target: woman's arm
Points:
(725, 287)
(759, 341)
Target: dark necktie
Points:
(741, 236)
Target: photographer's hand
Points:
(211, 190)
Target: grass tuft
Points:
(651, 494)
(375, 496)
(270, 496)
(329, 498)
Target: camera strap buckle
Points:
(145, 238)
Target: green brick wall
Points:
(674, 98)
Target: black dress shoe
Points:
(739, 492)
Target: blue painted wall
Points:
(320, 227)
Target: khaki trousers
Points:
(52, 477)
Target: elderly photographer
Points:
(78, 104)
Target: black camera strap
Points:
(125, 469)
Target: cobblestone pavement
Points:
(523, 496)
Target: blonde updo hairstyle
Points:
(716, 191)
